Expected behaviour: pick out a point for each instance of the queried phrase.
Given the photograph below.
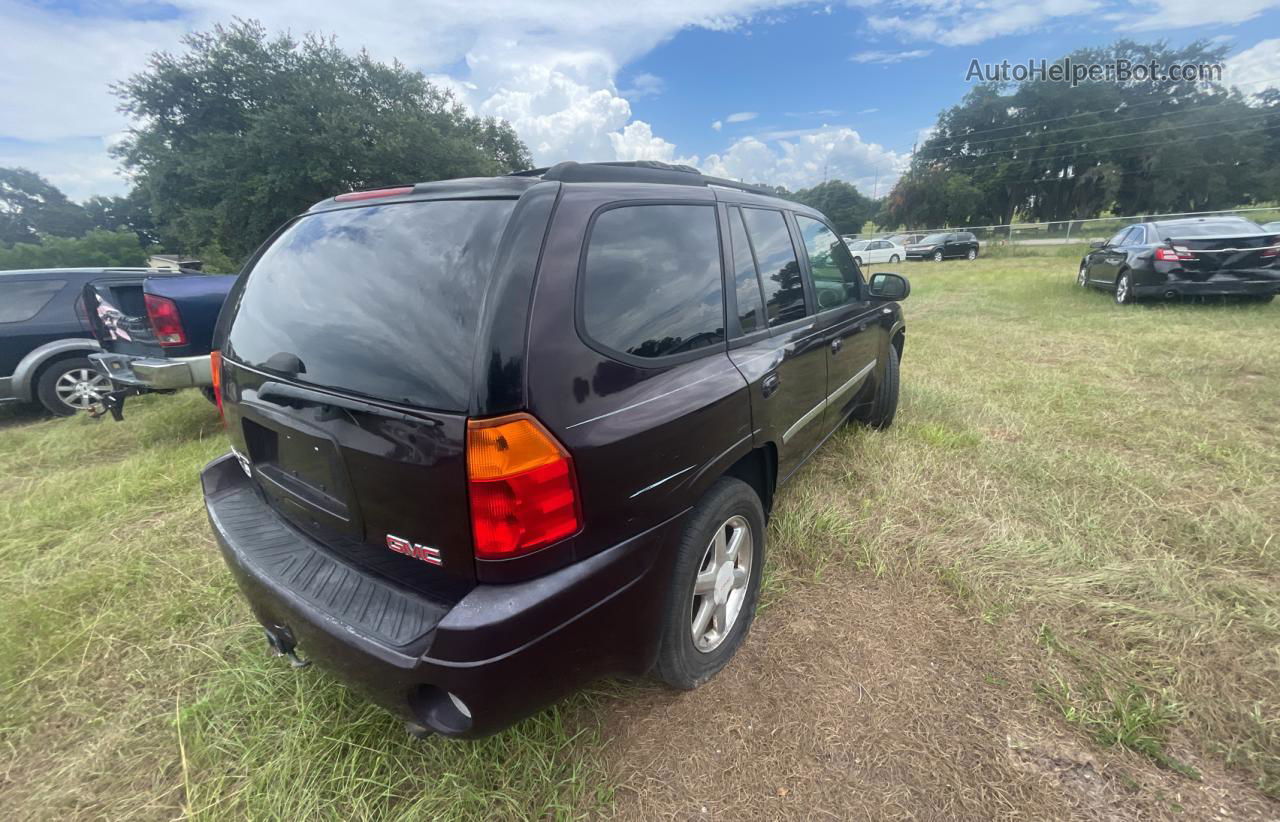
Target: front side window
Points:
(21, 301)
(1118, 239)
(652, 280)
(835, 275)
(779, 266)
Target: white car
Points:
(875, 251)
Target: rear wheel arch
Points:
(758, 468)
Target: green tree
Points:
(96, 248)
(847, 207)
(132, 212)
(31, 208)
(241, 131)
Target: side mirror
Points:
(1097, 244)
(889, 286)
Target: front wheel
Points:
(1082, 279)
(71, 385)
(937, 256)
(879, 413)
(1124, 290)
(712, 599)
(973, 254)
(893, 258)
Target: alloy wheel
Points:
(1123, 289)
(720, 587)
(973, 255)
(1082, 279)
(937, 256)
(82, 388)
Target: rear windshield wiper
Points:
(296, 396)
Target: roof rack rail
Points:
(636, 171)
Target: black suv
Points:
(942, 246)
(494, 437)
(46, 338)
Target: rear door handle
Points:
(837, 344)
(771, 384)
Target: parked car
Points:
(866, 252)
(156, 333)
(905, 240)
(46, 338)
(495, 437)
(944, 245)
(1200, 256)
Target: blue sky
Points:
(766, 90)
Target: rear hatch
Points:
(346, 378)
(124, 313)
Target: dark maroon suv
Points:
(492, 438)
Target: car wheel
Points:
(71, 385)
(858, 260)
(937, 256)
(973, 254)
(879, 413)
(1124, 290)
(712, 599)
(1082, 279)
(894, 258)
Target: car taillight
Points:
(1173, 255)
(523, 492)
(1273, 249)
(165, 320)
(215, 367)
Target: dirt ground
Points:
(818, 717)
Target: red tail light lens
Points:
(1273, 248)
(215, 366)
(165, 320)
(523, 492)
(1173, 255)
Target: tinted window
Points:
(835, 275)
(779, 268)
(653, 285)
(746, 283)
(934, 239)
(23, 300)
(1210, 228)
(1119, 237)
(379, 300)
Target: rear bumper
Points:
(1213, 287)
(504, 650)
(155, 373)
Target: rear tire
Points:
(70, 386)
(894, 258)
(883, 407)
(972, 255)
(937, 256)
(730, 504)
(1124, 289)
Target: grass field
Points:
(1096, 488)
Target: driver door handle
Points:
(836, 345)
(771, 384)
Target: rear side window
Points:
(835, 275)
(652, 282)
(377, 300)
(21, 301)
(779, 268)
(746, 281)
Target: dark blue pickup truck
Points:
(155, 332)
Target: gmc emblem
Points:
(412, 549)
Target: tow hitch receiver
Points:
(280, 641)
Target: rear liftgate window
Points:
(652, 284)
(377, 300)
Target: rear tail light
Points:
(1175, 254)
(374, 194)
(215, 367)
(165, 320)
(524, 495)
(1272, 250)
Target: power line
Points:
(1041, 159)
(1111, 110)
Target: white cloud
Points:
(828, 153)
(80, 166)
(644, 85)
(717, 125)
(888, 57)
(741, 116)
(952, 24)
(1255, 69)
(637, 142)
(1160, 15)
(868, 111)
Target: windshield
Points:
(933, 238)
(378, 300)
